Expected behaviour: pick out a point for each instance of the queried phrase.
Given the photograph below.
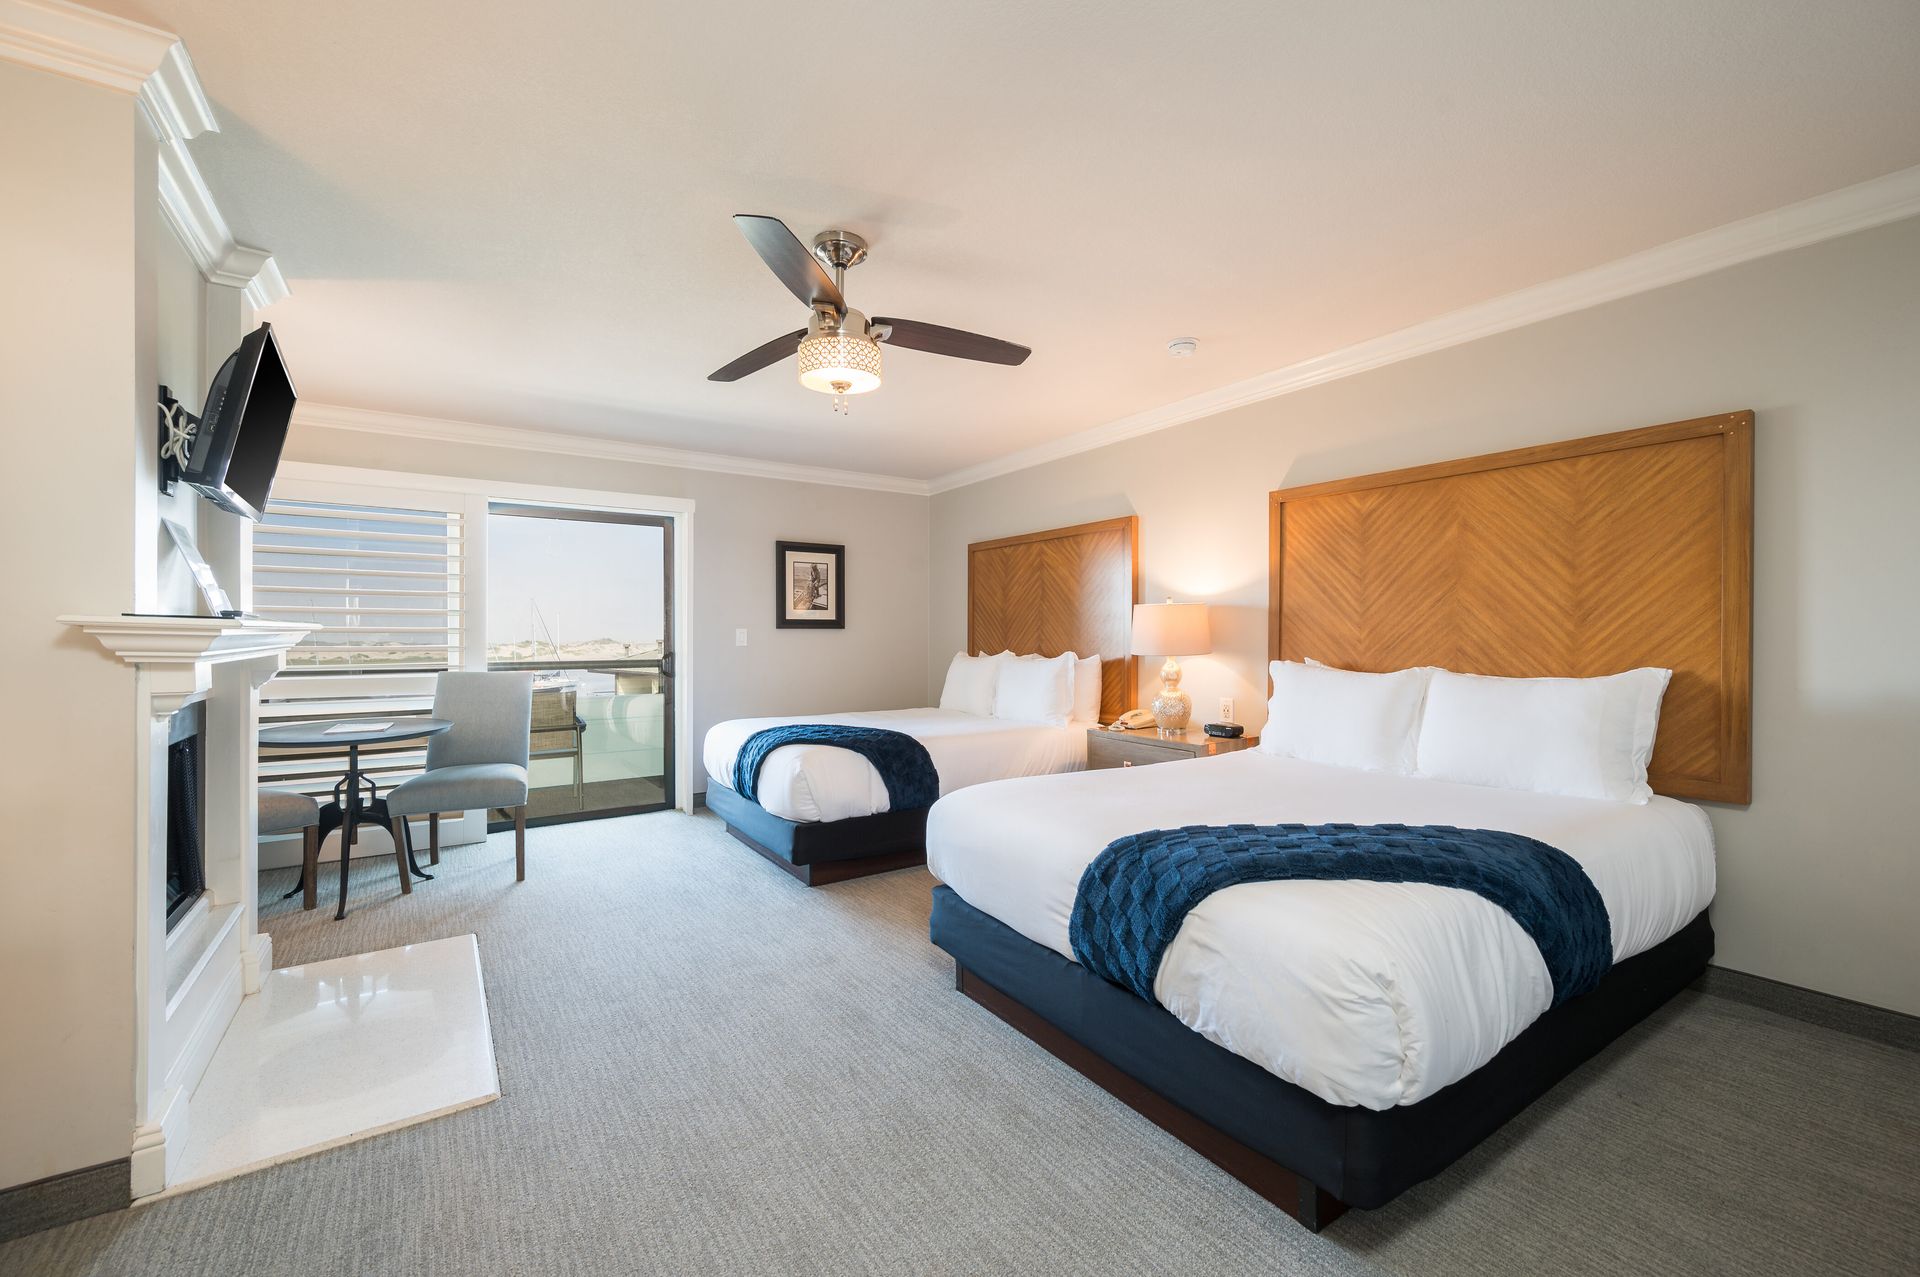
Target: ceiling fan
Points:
(839, 349)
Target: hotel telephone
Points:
(1132, 720)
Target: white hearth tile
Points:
(336, 1051)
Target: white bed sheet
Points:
(822, 782)
(1371, 994)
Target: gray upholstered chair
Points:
(282, 811)
(481, 762)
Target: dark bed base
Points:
(820, 852)
(1310, 1158)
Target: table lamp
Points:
(1171, 629)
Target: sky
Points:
(591, 580)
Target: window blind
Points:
(387, 583)
(387, 580)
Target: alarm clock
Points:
(1231, 731)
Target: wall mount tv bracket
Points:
(178, 430)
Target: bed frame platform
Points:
(1310, 1158)
(1300, 1198)
(820, 852)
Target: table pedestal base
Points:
(368, 811)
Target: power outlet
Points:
(1226, 709)
(740, 637)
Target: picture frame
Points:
(810, 586)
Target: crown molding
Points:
(96, 48)
(82, 44)
(154, 66)
(254, 272)
(195, 218)
(443, 430)
(1853, 208)
(174, 100)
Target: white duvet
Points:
(822, 782)
(1371, 994)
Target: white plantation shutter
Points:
(316, 771)
(388, 576)
(387, 583)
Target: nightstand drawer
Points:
(1117, 749)
(1121, 751)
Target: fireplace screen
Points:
(186, 868)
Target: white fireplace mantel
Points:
(189, 982)
(189, 640)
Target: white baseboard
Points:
(374, 844)
(255, 961)
(282, 851)
(153, 1141)
(157, 1144)
(206, 1031)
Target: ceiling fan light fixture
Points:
(839, 349)
(840, 362)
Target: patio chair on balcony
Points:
(558, 731)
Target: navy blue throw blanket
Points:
(902, 761)
(1134, 896)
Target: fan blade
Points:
(788, 258)
(760, 357)
(935, 340)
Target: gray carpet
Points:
(708, 1068)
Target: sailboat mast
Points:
(541, 621)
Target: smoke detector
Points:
(1182, 347)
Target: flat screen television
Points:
(237, 446)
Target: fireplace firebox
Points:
(186, 798)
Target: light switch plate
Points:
(740, 637)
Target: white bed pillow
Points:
(1086, 689)
(1578, 737)
(970, 685)
(1343, 717)
(1035, 689)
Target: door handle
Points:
(666, 665)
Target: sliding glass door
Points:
(584, 600)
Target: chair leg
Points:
(520, 843)
(433, 839)
(309, 863)
(400, 855)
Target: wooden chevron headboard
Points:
(1573, 559)
(1063, 590)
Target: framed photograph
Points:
(812, 584)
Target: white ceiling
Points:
(518, 214)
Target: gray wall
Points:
(877, 662)
(1819, 878)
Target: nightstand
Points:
(1147, 746)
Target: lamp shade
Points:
(839, 363)
(1171, 629)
